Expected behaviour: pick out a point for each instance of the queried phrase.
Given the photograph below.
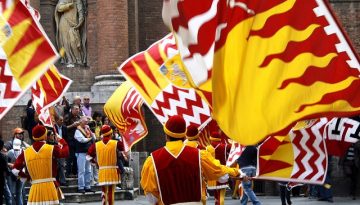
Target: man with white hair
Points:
(84, 138)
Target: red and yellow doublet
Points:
(178, 174)
(107, 161)
(172, 156)
(39, 166)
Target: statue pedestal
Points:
(107, 83)
(104, 87)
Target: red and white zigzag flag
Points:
(299, 157)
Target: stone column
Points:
(112, 34)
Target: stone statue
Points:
(71, 31)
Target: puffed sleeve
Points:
(148, 180)
(212, 169)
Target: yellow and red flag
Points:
(148, 72)
(271, 63)
(25, 55)
(300, 156)
(124, 110)
(47, 91)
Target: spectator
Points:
(86, 108)
(76, 101)
(31, 118)
(98, 120)
(116, 135)
(16, 186)
(284, 193)
(72, 120)
(61, 131)
(351, 165)
(84, 138)
(4, 170)
(313, 191)
(105, 120)
(18, 133)
(59, 107)
(325, 191)
(247, 163)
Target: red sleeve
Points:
(120, 146)
(92, 151)
(20, 162)
(61, 150)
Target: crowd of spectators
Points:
(79, 125)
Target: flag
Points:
(47, 91)
(47, 118)
(24, 56)
(5, 30)
(300, 156)
(340, 133)
(124, 110)
(145, 71)
(234, 154)
(272, 63)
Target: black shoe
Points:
(81, 191)
(89, 190)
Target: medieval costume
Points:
(173, 174)
(40, 163)
(105, 154)
(219, 150)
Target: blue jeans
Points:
(84, 171)
(61, 170)
(17, 189)
(249, 193)
(7, 194)
(325, 193)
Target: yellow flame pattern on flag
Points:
(250, 95)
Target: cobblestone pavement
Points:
(265, 200)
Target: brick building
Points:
(116, 29)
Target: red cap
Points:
(39, 133)
(175, 127)
(106, 130)
(192, 132)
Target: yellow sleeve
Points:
(212, 169)
(211, 150)
(148, 178)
